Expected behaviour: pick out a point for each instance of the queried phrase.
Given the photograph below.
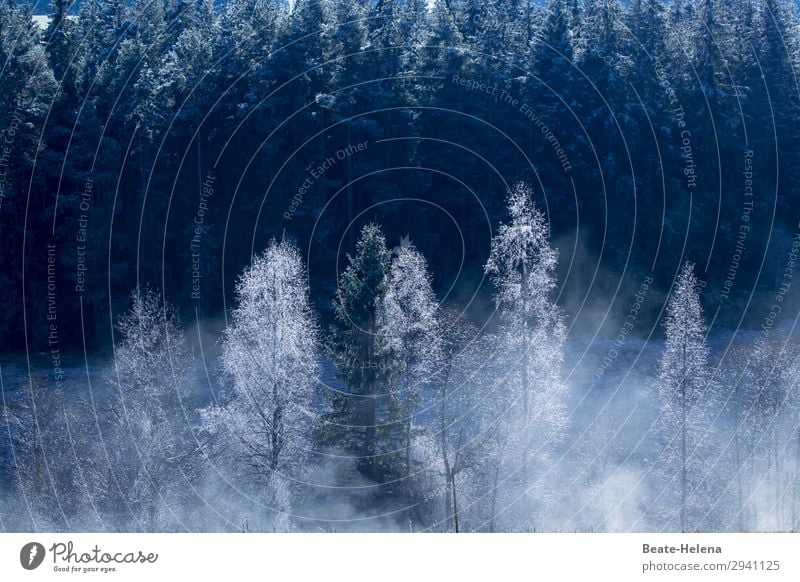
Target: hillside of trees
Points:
(634, 125)
(329, 265)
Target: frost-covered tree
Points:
(553, 74)
(522, 265)
(789, 426)
(409, 330)
(687, 397)
(263, 428)
(766, 393)
(460, 405)
(774, 45)
(27, 88)
(59, 39)
(148, 443)
(384, 32)
(458, 456)
(604, 61)
(411, 21)
(645, 25)
(39, 457)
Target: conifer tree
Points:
(357, 421)
(687, 395)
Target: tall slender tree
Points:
(409, 330)
(687, 395)
(522, 265)
(148, 439)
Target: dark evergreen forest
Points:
(640, 129)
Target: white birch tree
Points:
(464, 406)
(766, 425)
(270, 351)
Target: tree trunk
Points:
(448, 515)
(683, 458)
(683, 443)
(369, 407)
(796, 489)
(493, 507)
(525, 376)
(455, 500)
(443, 432)
(739, 468)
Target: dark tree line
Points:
(633, 121)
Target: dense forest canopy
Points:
(165, 142)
